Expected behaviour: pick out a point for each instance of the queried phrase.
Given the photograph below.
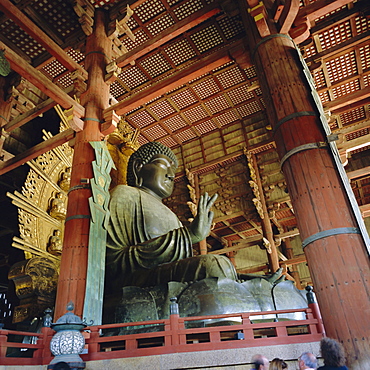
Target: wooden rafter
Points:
(359, 173)
(249, 242)
(347, 99)
(37, 150)
(167, 35)
(341, 48)
(320, 8)
(195, 70)
(31, 74)
(28, 26)
(31, 114)
(288, 262)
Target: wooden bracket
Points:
(259, 15)
(288, 15)
(20, 102)
(85, 10)
(74, 119)
(120, 27)
(79, 81)
(119, 48)
(300, 31)
(3, 136)
(278, 12)
(112, 72)
(110, 123)
(241, 55)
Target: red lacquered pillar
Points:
(72, 279)
(336, 252)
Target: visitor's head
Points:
(260, 362)
(278, 364)
(307, 361)
(152, 167)
(332, 352)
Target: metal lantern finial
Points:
(4, 64)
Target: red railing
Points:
(176, 334)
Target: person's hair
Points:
(309, 359)
(257, 361)
(278, 364)
(145, 153)
(332, 352)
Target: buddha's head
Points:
(152, 167)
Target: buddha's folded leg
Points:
(186, 270)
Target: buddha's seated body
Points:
(153, 247)
(147, 244)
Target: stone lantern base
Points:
(66, 364)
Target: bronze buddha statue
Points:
(147, 244)
(149, 253)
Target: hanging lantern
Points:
(4, 64)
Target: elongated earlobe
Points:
(138, 182)
(137, 166)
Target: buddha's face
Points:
(158, 176)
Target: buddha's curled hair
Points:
(145, 153)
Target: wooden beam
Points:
(32, 113)
(39, 20)
(35, 32)
(212, 163)
(365, 210)
(227, 217)
(353, 127)
(177, 79)
(359, 173)
(341, 47)
(288, 15)
(351, 145)
(29, 115)
(37, 150)
(15, 48)
(347, 108)
(347, 99)
(167, 35)
(287, 234)
(251, 241)
(294, 261)
(289, 262)
(34, 76)
(336, 18)
(320, 8)
(253, 269)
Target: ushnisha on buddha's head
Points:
(152, 168)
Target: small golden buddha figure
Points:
(58, 209)
(65, 181)
(55, 243)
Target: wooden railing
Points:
(176, 334)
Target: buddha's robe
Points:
(147, 245)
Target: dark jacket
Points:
(332, 368)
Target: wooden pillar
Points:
(5, 110)
(267, 231)
(72, 279)
(288, 251)
(336, 253)
(231, 254)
